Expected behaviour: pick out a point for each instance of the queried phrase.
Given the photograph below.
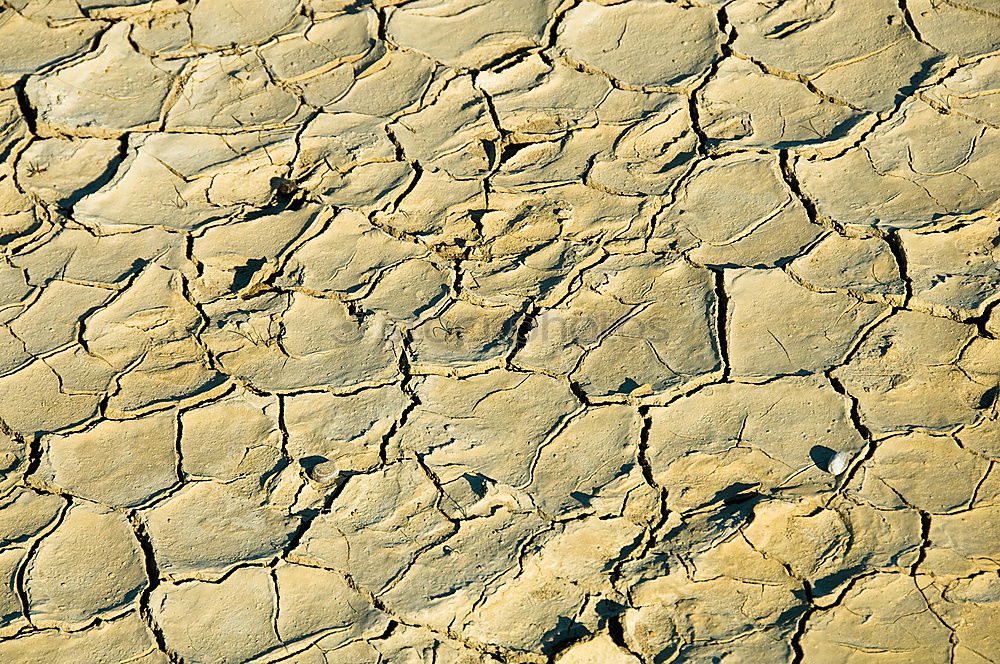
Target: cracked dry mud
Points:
(510, 331)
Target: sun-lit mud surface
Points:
(500, 331)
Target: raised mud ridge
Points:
(499, 331)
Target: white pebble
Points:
(837, 463)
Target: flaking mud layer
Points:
(499, 331)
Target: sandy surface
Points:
(499, 331)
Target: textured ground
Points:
(510, 331)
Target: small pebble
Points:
(837, 463)
(324, 473)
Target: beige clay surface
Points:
(499, 331)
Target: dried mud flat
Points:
(510, 331)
